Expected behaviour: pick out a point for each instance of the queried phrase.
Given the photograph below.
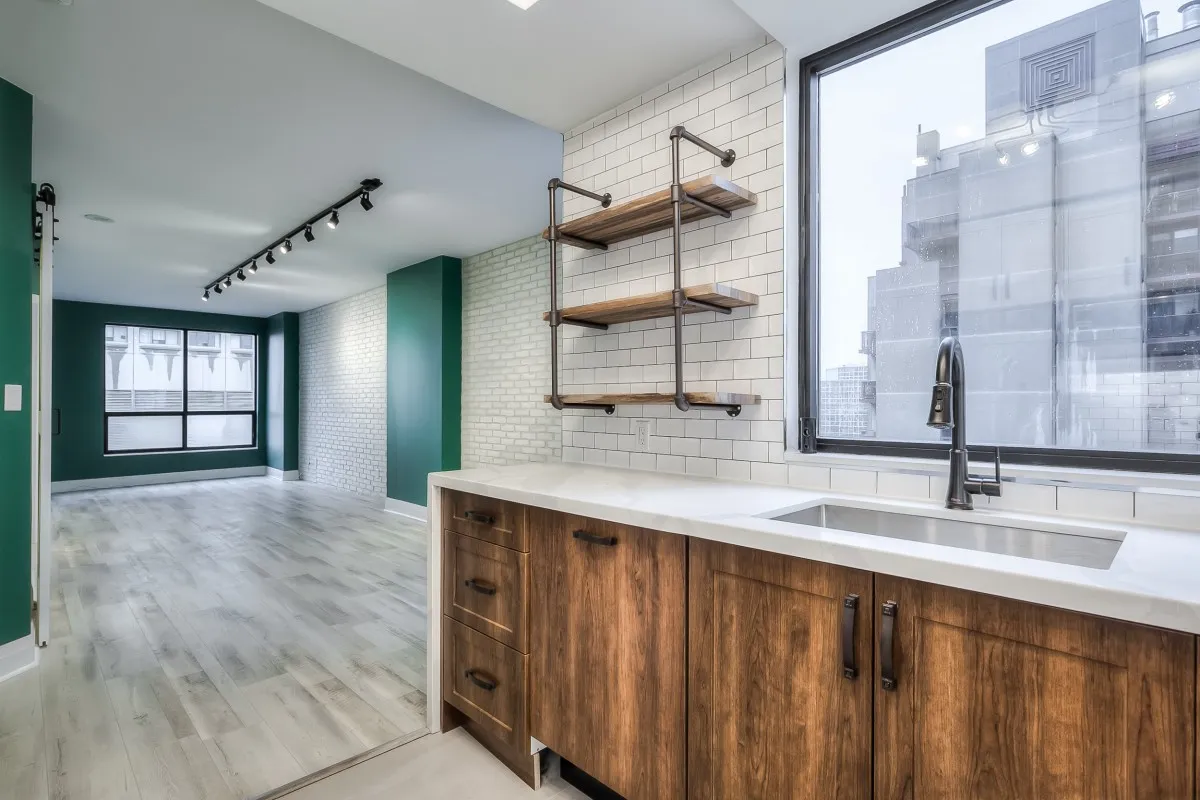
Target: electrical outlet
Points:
(642, 426)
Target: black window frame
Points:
(184, 414)
(901, 30)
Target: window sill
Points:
(1016, 473)
(180, 452)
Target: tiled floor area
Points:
(450, 766)
(212, 641)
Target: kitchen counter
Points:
(1154, 580)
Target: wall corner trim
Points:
(283, 475)
(17, 656)
(406, 509)
(124, 481)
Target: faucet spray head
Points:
(940, 414)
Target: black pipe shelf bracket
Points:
(681, 303)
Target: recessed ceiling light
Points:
(99, 218)
(522, 4)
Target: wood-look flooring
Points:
(216, 640)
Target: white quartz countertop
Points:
(1154, 580)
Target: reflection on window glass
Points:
(1027, 179)
(220, 430)
(145, 433)
(143, 369)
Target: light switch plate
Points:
(12, 397)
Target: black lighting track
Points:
(304, 229)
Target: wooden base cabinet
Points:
(780, 684)
(996, 699)
(607, 647)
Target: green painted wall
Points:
(424, 355)
(16, 321)
(78, 388)
(283, 392)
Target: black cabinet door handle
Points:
(849, 614)
(887, 647)
(481, 518)
(477, 678)
(591, 538)
(483, 587)
(56, 425)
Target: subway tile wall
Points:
(343, 394)
(734, 101)
(506, 357)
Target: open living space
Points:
(569, 399)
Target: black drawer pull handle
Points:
(887, 646)
(483, 587)
(849, 615)
(481, 518)
(591, 538)
(477, 678)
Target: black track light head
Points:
(333, 221)
(228, 281)
(218, 289)
(241, 275)
(286, 247)
(254, 266)
(366, 201)
(308, 234)
(270, 256)
(205, 295)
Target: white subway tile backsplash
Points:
(807, 477)
(1030, 498)
(852, 481)
(1168, 509)
(903, 486)
(1095, 503)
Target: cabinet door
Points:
(607, 640)
(997, 699)
(778, 707)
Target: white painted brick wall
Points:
(733, 101)
(506, 357)
(343, 394)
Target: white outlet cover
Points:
(12, 397)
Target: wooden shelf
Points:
(658, 304)
(653, 212)
(650, 398)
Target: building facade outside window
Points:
(1024, 175)
(160, 396)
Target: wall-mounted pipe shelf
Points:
(653, 213)
(707, 297)
(670, 208)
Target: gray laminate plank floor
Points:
(216, 640)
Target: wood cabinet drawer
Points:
(496, 521)
(486, 681)
(485, 587)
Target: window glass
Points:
(1025, 178)
(144, 433)
(143, 369)
(220, 430)
(222, 371)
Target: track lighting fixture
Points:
(283, 244)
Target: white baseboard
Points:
(87, 484)
(283, 475)
(18, 656)
(405, 509)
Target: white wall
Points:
(506, 357)
(343, 394)
(734, 101)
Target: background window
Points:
(1025, 178)
(169, 389)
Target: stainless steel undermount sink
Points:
(1082, 547)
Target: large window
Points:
(1024, 175)
(167, 389)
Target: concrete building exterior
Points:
(1061, 247)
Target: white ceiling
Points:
(207, 128)
(559, 63)
(807, 26)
